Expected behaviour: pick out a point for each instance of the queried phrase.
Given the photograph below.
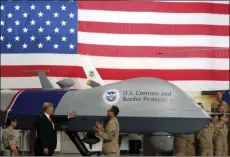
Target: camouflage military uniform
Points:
(220, 139)
(205, 140)
(184, 145)
(224, 119)
(110, 137)
(9, 138)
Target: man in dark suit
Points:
(46, 140)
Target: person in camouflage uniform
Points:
(184, 145)
(9, 138)
(110, 134)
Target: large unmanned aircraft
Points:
(147, 105)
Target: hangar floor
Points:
(125, 153)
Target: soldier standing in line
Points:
(205, 138)
(220, 138)
(220, 122)
(221, 134)
(219, 101)
(110, 134)
(221, 118)
(184, 145)
(10, 141)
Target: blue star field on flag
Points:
(38, 27)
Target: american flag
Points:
(124, 40)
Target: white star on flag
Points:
(40, 14)
(10, 15)
(17, 38)
(71, 46)
(40, 45)
(32, 22)
(72, 30)
(24, 46)
(63, 38)
(32, 38)
(2, 7)
(48, 23)
(9, 46)
(48, 38)
(48, 7)
(71, 15)
(9, 30)
(2, 23)
(17, 23)
(40, 29)
(56, 30)
(32, 7)
(25, 15)
(25, 30)
(63, 8)
(63, 23)
(56, 46)
(56, 15)
(17, 7)
(2, 38)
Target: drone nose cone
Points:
(205, 114)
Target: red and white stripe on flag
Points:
(125, 38)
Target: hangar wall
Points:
(206, 100)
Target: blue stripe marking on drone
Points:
(31, 102)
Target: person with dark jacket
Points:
(46, 140)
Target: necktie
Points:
(51, 121)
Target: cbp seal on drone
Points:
(111, 96)
(91, 73)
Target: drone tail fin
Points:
(90, 71)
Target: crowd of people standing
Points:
(212, 140)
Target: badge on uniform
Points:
(11, 137)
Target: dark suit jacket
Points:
(46, 135)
